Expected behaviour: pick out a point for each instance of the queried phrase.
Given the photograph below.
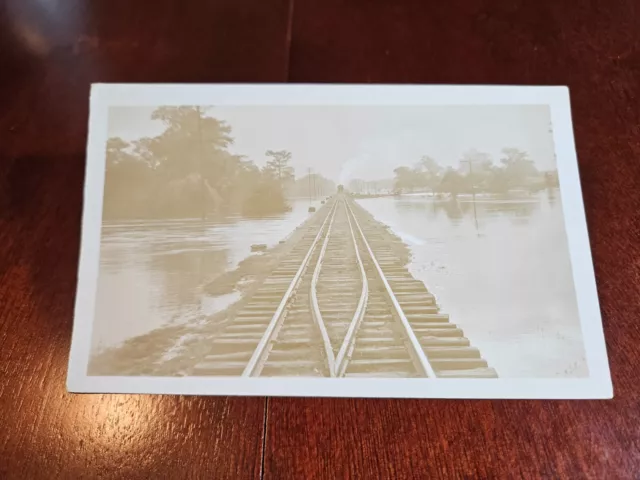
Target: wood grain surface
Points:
(50, 52)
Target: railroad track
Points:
(425, 330)
(342, 304)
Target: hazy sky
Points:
(367, 142)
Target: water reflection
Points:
(507, 283)
(152, 272)
(455, 209)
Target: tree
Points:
(406, 179)
(128, 179)
(519, 168)
(235, 176)
(310, 186)
(144, 149)
(116, 151)
(481, 160)
(188, 170)
(121, 165)
(477, 168)
(476, 172)
(452, 182)
(266, 198)
(498, 181)
(429, 172)
(430, 166)
(278, 167)
(192, 143)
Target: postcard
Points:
(335, 240)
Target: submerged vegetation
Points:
(476, 173)
(188, 171)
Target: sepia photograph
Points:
(333, 238)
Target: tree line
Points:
(187, 170)
(476, 173)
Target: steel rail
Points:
(267, 337)
(413, 340)
(348, 344)
(317, 315)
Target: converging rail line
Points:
(342, 304)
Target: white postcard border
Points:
(597, 385)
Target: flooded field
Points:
(152, 272)
(501, 270)
(507, 281)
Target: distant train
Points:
(340, 188)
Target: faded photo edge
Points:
(596, 385)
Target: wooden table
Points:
(49, 54)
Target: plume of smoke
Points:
(376, 159)
(351, 167)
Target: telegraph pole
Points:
(201, 164)
(202, 193)
(314, 186)
(473, 190)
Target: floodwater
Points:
(152, 271)
(507, 282)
